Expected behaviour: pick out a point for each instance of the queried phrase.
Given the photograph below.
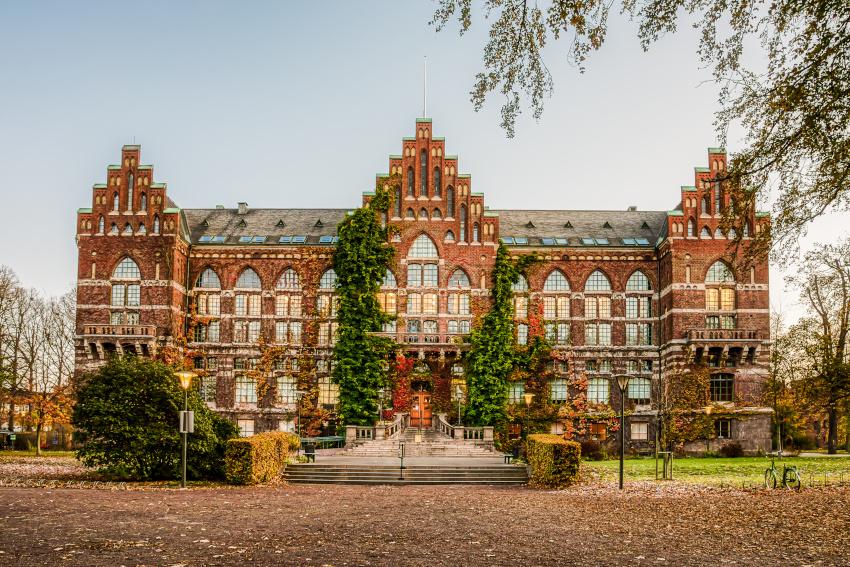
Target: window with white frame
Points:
(558, 390)
(209, 384)
(126, 293)
(516, 390)
(208, 280)
(246, 427)
(246, 390)
(248, 279)
(638, 334)
(286, 390)
(597, 282)
(598, 390)
(328, 391)
(639, 430)
(639, 390)
(597, 334)
(522, 334)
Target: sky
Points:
(299, 105)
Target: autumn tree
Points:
(795, 112)
(823, 279)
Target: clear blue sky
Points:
(298, 105)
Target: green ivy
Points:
(492, 356)
(361, 259)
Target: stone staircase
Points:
(329, 473)
(430, 443)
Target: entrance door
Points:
(420, 410)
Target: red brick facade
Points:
(655, 324)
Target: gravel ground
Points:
(648, 524)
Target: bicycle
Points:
(790, 475)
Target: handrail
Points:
(397, 426)
(444, 427)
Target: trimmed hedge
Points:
(259, 458)
(554, 461)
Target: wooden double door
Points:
(420, 409)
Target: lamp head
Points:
(185, 378)
(623, 381)
(528, 397)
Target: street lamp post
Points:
(622, 384)
(298, 395)
(186, 417)
(527, 397)
(458, 394)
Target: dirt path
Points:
(427, 526)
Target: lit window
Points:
(520, 307)
(328, 391)
(246, 427)
(639, 430)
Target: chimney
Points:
(632, 208)
(243, 208)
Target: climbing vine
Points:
(492, 354)
(361, 260)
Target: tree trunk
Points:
(847, 431)
(38, 439)
(832, 432)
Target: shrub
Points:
(732, 450)
(554, 461)
(126, 420)
(259, 458)
(593, 450)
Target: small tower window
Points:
(143, 202)
(156, 224)
(450, 201)
(100, 225)
(115, 201)
(423, 214)
(130, 194)
(692, 227)
(410, 182)
(463, 223)
(423, 173)
(397, 204)
(475, 232)
(438, 188)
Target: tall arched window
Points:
(125, 293)
(101, 225)
(706, 205)
(143, 202)
(423, 247)
(475, 232)
(130, 193)
(450, 201)
(422, 273)
(410, 189)
(556, 308)
(521, 285)
(208, 280)
(520, 290)
(720, 297)
(692, 227)
(458, 302)
(423, 173)
(156, 224)
(459, 279)
(326, 307)
(463, 223)
(247, 307)
(115, 201)
(288, 307)
(397, 203)
(388, 300)
(423, 213)
(597, 309)
(410, 214)
(438, 185)
(328, 280)
(638, 306)
(450, 236)
(207, 299)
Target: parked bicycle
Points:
(790, 476)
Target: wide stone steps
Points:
(411, 449)
(380, 474)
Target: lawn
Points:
(737, 472)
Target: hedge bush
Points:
(554, 461)
(259, 458)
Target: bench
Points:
(512, 456)
(310, 452)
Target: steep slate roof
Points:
(538, 224)
(263, 222)
(531, 224)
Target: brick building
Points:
(642, 292)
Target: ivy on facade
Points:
(361, 260)
(492, 356)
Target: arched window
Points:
(248, 279)
(142, 229)
(450, 236)
(423, 213)
(143, 203)
(719, 272)
(388, 300)
(556, 282)
(208, 279)
(410, 188)
(156, 224)
(597, 282)
(718, 233)
(101, 225)
(423, 247)
(328, 280)
(397, 203)
(705, 233)
(638, 282)
(746, 229)
(692, 227)
(450, 201)
(521, 285)
(125, 293)
(475, 232)
(706, 205)
(463, 223)
(438, 186)
(423, 173)
(459, 279)
(115, 201)
(389, 280)
(289, 280)
(113, 229)
(130, 194)
(126, 269)
(128, 230)
(436, 214)
(410, 214)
